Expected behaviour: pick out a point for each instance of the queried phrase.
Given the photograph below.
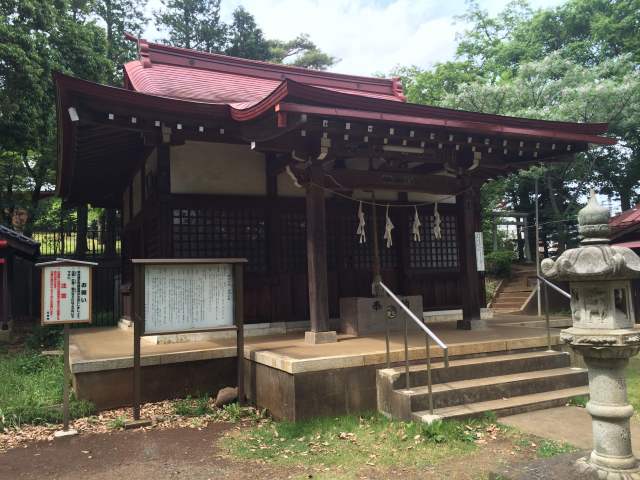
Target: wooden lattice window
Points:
(432, 253)
(359, 256)
(221, 233)
(293, 241)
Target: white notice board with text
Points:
(183, 297)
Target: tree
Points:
(302, 50)
(431, 86)
(193, 24)
(246, 39)
(558, 89)
(119, 17)
(37, 38)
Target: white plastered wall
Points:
(217, 168)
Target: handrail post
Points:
(406, 353)
(428, 353)
(386, 323)
(546, 312)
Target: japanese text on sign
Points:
(179, 298)
(66, 294)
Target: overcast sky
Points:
(367, 36)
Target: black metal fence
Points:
(61, 243)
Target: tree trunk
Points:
(110, 232)
(81, 238)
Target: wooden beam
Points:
(317, 252)
(408, 182)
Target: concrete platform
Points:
(291, 378)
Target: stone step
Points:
(491, 388)
(516, 289)
(507, 304)
(478, 367)
(505, 406)
(514, 295)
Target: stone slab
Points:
(65, 433)
(365, 315)
(317, 338)
(133, 424)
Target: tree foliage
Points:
(36, 39)
(193, 24)
(577, 62)
(197, 24)
(85, 38)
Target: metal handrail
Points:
(546, 283)
(555, 287)
(428, 334)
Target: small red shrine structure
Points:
(212, 156)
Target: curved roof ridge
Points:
(151, 53)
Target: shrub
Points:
(498, 263)
(44, 337)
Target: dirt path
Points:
(195, 454)
(183, 453)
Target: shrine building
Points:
(324, 182)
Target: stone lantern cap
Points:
(595, 259)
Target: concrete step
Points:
(505, 406)
(479, 367)
(505, 310)
(491, 388)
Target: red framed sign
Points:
(66, 288)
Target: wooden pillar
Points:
(468, 209)
(317, 260)
(164, 194)
(273, 234)
(405, 218)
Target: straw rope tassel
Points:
(416, 226)
(387, 229)
(361, 232)
(437, 229)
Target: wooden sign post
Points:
(66, 287)
(190, 295)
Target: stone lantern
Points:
(603, 332)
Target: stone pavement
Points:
(565, 424)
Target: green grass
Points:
(551, 448)
(578, 401)
(633, 383)
(352, 442)
(31, 391)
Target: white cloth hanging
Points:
(387, 229)
(361, 232)
(416, 226)
(437, 222)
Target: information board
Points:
(479, 252)
(66, 294)
(183, 297)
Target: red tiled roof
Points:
(197, 76)
(250, 88)
(625, 219)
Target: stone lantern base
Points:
(589, 469)
(606, 356)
